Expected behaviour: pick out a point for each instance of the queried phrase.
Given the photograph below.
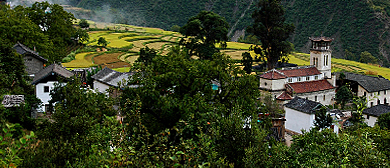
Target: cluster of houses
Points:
(301, 90)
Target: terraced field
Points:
(125, 41)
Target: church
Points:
(314, 82)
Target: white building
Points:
(375, 89)
(44, 82)
(107, 78)
(313, 82)
(371, 114)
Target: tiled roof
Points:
(370, 83)
(53, 68)
(111, 77)
(377, 110)
(303, 105)
(310, 86)
(322, 38)
(273, 74)
(22, 49)
(300, 71)
(284, 96)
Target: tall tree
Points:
(202, 32)
(269, 26)
(322, 119)
(54, 22)
(247, 61)
(343, 95)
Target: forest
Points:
(173, 119)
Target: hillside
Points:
(355, 25)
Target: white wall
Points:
(370, 121)
(44, 96)
(101, 87)
(272, 84)
(296, 121)
(372, 98)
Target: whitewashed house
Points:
(371, 114)
(44, 82)
(375, 89)
(107, 78)
(314, 82)
(300, 114)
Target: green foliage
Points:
(343, 95)
(384, 121)
(366, 57)
(360, 103)
(82, 36)
(146, 55)
(11, 148)
(322, 119)
(202, 32)
(78, 112)
(83, 23)
(102, 41)
(175, 28)
(247, 61)
(270, 28)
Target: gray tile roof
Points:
(377, 110)
(370, 83)
(53, 68)
(22, 49)
(111, 77)
(303, 105)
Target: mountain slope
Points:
(355, 25)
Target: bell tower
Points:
(321, 55)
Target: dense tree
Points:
(202, 32)
(270, 28)
(54, 22)
(322, 119)
(146, 55)
(83, 23)
(68, 139)
(343, 95)
(366, 57)
(102, 41)
(16, 27)
(384, 121)
(247, 61)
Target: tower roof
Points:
(322, 38)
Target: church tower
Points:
(321, 55)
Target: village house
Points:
(314, 82)
(300, 115)
(107, 78)
(371, 114)
(375, 89)
(32, 60)
(45, 80)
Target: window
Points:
(289, 79)
(379, 92)
(368, 117)
(324, 60)
(372, 104)
(265, 83)
(308, 78)
(378, 102)
(299, 78)
(315, 98)
(385, 101)
(316, 77)
(364, 94)
(46, 89)
(324, 97)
